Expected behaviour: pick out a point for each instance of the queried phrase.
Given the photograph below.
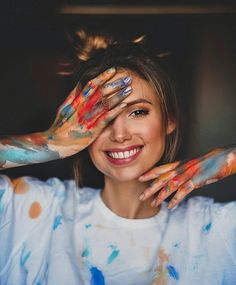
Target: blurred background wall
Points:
(199, 35)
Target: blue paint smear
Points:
(172, 272)
(26, 155)
(85, 252)
(24, 256)
(206, 228)
(57, 222)
(211, 167)
(60, 195)
(97, 277)
(87, 226)
(67, 110)
(113, 255)
(86, 91)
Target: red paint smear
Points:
(193, 167)
(87, 108)
(92, 123)
(37, 139)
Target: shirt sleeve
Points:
(28, 215)
(225, 215)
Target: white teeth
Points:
(125, 154)
(121, 154)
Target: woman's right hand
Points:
(86, 113)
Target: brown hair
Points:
(104, 53)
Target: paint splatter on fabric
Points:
(53, 223)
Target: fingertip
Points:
(111, 70)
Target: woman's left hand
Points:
(184, 177)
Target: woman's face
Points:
(135, 140)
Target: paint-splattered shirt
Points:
(52, 233)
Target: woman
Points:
(53, 233)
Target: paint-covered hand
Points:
(87, 112)
(184, 177)
(79, 121)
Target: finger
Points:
(157, 171)
(89, 119)
(119, 97)
(157, 184)
(109, 116)
(98, 104)
(164, 193)
(93, 84)
(114, 86)
(175, 183)
(107, 104)
(184, 190)
(188, 169)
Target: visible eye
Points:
(139, 113)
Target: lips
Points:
(120, 156)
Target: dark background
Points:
(202, 63)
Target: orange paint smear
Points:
(20, 186)
(35, 210)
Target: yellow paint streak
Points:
(161, 278)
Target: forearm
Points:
(30, 149)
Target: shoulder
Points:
(24, 188)
(24, 192)
(204, 209)
(203, 217)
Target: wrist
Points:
(62, 144)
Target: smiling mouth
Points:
(122, 157)
(123, 154)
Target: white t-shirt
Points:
(56, 234)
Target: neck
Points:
(122, 199)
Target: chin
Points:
(124, 175)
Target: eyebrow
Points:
(138, 101)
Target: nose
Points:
(119, 131)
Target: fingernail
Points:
(171, 204)
(126, 91)
(127, 79)
(141, 178)
(141, 197)
(111, 70)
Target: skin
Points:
(102, 115)
(79, 121)
(140, 123)
(182, 178)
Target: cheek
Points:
(95, 151)
(152, 131)
(92, 149)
